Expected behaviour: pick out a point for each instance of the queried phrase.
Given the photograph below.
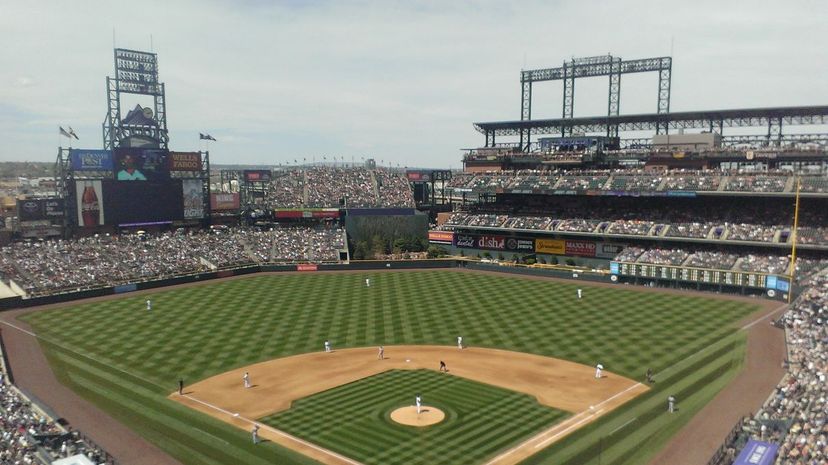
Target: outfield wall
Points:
(365, 265)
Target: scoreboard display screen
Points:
(142, 202)
(696, 275)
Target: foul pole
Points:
(792, 269)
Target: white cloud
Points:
(399, 81)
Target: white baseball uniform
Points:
(459, 342)
(381, 354)
(246, 379)
(598, 369)
(149, 304)
(580, 293)
(367, 282)
(419, 403)
(327, 346)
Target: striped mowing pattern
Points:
(354, 419)
(196, 332)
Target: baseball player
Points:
(459, 342)
(649, 376)
(255, 432)
(149, 304)
(580, 293)
(443, 367)
(180, 387)
(598, 370)
(381, 354)
(246, 379)
(327, 345)
(671, 404)
(367, 282)
(419, 401)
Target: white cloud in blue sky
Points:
(398, 81)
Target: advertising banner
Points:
(550, 246)
(89, 198)
(443, 237)
(185, 161)
(138, 164)
(580, 248)
(40, 209)
(30, 210)
(191, 194)
(608, 250)
(220, 202)
(309, 267)
(520, 245)
(474, 241)
(257, 175)
(757, 453)
(90, 160)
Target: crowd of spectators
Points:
(29, 436)
(773, 264)
(801, 398)
(795, 416)
(659, 256)
(637, 180)
(625, 223)
(106, 260)
(332, 187)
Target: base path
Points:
(277, 383)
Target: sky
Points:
(400, 82)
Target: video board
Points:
(142, 202)
(141, 164)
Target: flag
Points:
(72, 133)
(206, 137)
(64, 133)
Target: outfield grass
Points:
(199, 331)
(354, 419)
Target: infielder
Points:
(255, 432)
(459, 342)
(598, 370)
(671, 404)
(327, 345)
(580, 293)
(443, 367)
(246, 379)
(419, 401)
(181, 386)
(149, 304)
(381, 354)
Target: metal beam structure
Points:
(603, 65)
(774, 119)
(136, 72)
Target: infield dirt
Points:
(277, 383)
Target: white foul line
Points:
(279, 432)
(560, 425)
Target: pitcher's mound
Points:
(408, 416)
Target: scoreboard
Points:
(697, 275)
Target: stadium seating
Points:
(66, 265)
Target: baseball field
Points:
(128, 360)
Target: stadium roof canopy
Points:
(710, 120)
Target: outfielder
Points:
(580, 293)
(246, 379)
(327, 345)
(598, 369)
(419, 402)
(671, 404)
(149, 304)
(367, 282)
